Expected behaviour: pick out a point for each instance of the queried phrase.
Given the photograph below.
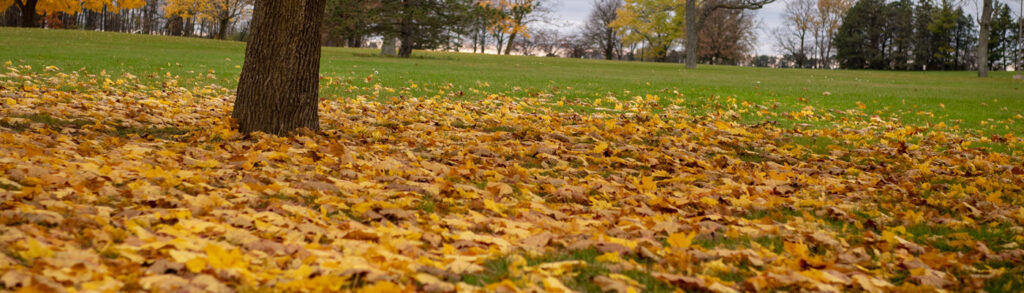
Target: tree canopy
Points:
(659, 23)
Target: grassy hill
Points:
(956, 98)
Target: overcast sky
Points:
(570, 14)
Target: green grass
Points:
(121, 131)
(1010, 280)
(580, 279)
(915, 97)
(951, 239)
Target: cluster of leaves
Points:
(212, 10)
(74, 6)
(658, 22)
(110, 185)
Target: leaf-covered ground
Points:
(109, 185)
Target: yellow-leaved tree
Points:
(30, 8)
(659, 23)
(222, 12)
(511, 18)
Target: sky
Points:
(570, 14)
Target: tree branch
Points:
(729, 4)
(741, 4)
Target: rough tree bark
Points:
(508, 47)
(405, 48)
(406, 31)
(691, 33)
(12, 17)
(175, 26)
(609, 44)
(222, 28)
(278, 88)
(28, 12)
(387, 48)
(986, 19)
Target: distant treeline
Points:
(864, 34)
(903, 35)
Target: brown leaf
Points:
(609, 284)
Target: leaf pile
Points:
(110, 185)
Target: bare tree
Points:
(527, 44)
(547, 41)
(829, 17)
(728, 37)
(598, 30)
(696, 14)
(575, 46)
(793, 37)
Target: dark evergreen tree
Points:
(925, 43)
(943, 29)
(999, 41)
(900, 30)
(348, 22)
(965, 38)
(422, 24)
(861, 40)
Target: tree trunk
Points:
(691, 33)
(354, 41)
(405, 35)
(406, 31)
(483, 42)
(508, 46)
(28, 13)
(189, 27)
(387, 48)
(12, 16)
(609, 44)
(175, 26)
(986, 19)
(405, 50)
(149, 14)
(222, 31)
(1020, 42)
(802, 58)
(278, 88)
(91, 19)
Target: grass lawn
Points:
(920, 98)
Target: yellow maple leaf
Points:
(796, 249)
(681, 240)
(220, 258)
(600, 147)
(647, 183)
(612, 257)
(195, 265)
(35, 250)
(493, 206)
(709, 201)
